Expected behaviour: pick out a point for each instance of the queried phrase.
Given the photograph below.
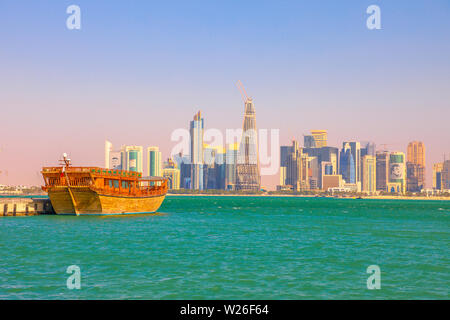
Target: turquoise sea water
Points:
(234, 248)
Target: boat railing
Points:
(94, 171)
(57, 182)
(115, 173)
(73, 181)
(80, 181)
(51, 169)
(134, 192)
(79, 170)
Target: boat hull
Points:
(84, 201)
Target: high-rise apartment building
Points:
(172, 173)
(293, 166)
(196, 134)
(184, 165)
(437, 175)
(397, 173)
(154, 162)
(108, 150)
(382, 170)
(132, 158)
(445, 176)
(283, 176)
(415, 176)
(312, 173)
(113, 158)
(215, 167)
(298, 168)
(231, 159)
(368, 173)
(416, 153)
(415, 166)
(220, 168)
(284, 153)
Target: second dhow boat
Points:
(94, 190)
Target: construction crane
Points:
(241, 88)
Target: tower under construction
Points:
(248, 176)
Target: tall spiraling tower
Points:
(248, 176)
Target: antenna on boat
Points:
(65, 161)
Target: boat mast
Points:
(65, 161)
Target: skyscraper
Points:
(324, 154)
(317, 139)
(368, 176)
(283, 171)
(416, 153)
(220, 168)
(184, 165)
(297, 168)
(196, 133)
(172, 173)
(415, 166)
(312, 173)
(284, 153)
(437, 175)
(131, 158)
(113, 158)
(347, 164)
(154, 162)
(293, 166)
(397, 173)
(108, 150)
(247, 169)
(309, 142)
(382, 170)
(415, 175)
(445, 175)
(320, 137)
(230, 163)
(350, 166)
(214, 164)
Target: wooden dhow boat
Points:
(94, 190)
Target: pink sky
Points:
(139, 78)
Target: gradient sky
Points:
(137, 70)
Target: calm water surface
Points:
(234, 248)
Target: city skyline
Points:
(112, 80)
(143, 161)
(361, 166)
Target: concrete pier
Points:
(25, 206)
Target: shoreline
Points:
(309, 196)
(436, 198)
